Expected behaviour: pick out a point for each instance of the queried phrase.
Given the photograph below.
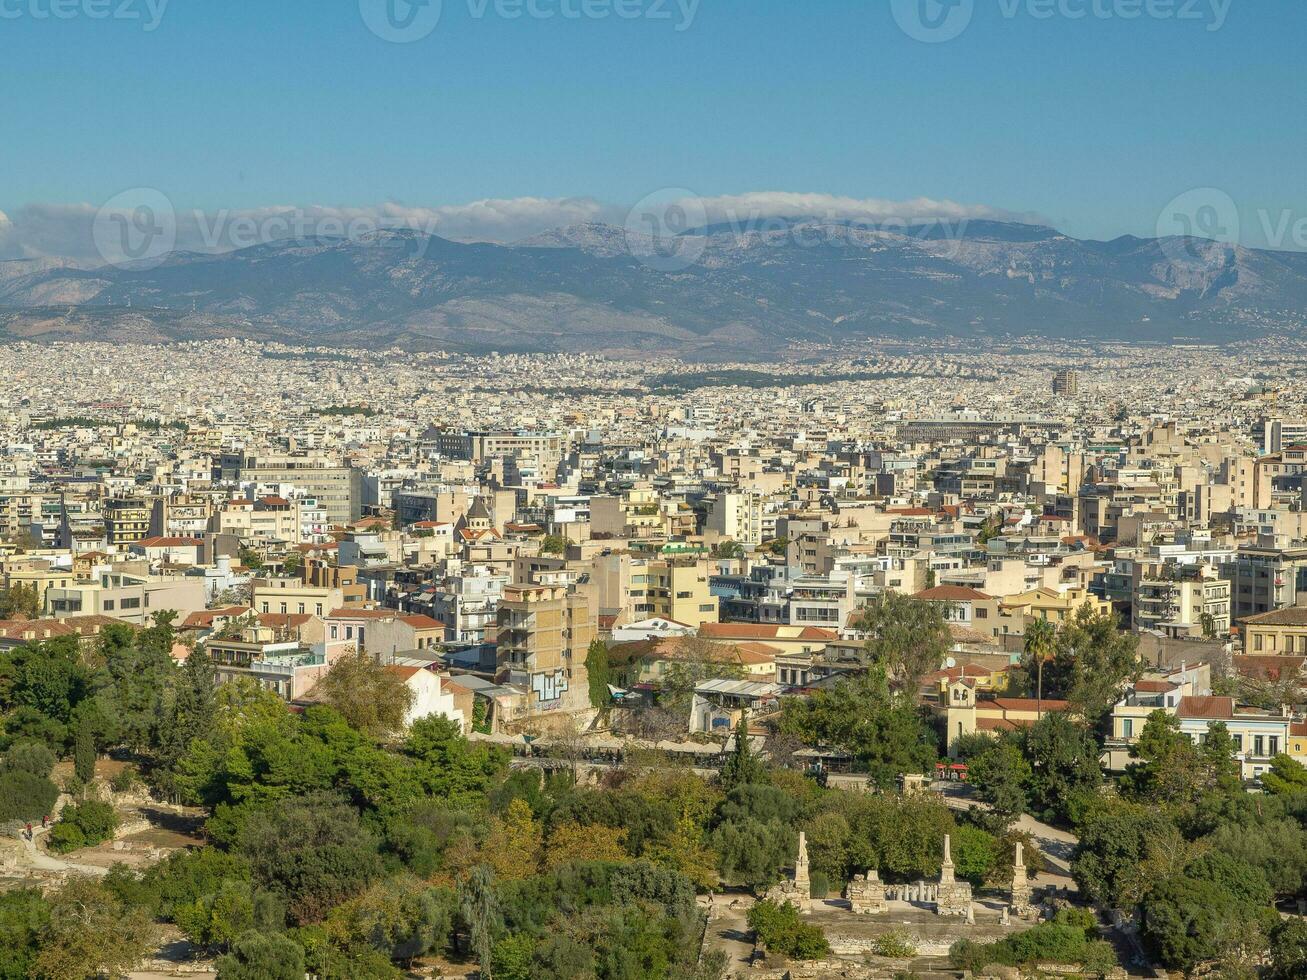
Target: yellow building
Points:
(676, 590)
(1050, 604)
(1277, 631)
(543, 634)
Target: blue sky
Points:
(1094, 123)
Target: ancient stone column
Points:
(1021, 890)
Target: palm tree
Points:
(1040, 638)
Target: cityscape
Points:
(653, 490)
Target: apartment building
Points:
(126, 520)
(1263, 579)
(335, 486)
(543, 634)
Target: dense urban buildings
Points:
(574, 560)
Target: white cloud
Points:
(69, 230)
(757, 205)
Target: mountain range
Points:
(722, 290)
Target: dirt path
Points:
(39, 860)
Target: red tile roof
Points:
(951, 593)
(1206, 706)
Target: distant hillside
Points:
(588, 287)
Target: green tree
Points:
(885, 731)
(1277, 846)
(907, 637)
(25, 796)
(1289, 950)
(1111, 863)
(975, 853)
(263, 956)
(90, 931)
(1040, 644)
(400, 917)
(1001, 777)
(1186, 921)
(728, 550)
(1286, 777)
(752, 852)
(554, 544)
(83, 825)
(374, 700)
(84, 754)
(478, 905)
(1064, 766)
(23, 914)
(513, 957)
(216, 920)
(742, 766)
(599, 674)
(188, 716)
(1092, 664)
(312, 852)
(20, 600)
(30, 757)
(1172, 768)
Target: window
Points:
(1128, 728)
(1275, 744)
(131, 604)
(108, 604)
(1259, 745)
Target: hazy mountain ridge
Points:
(594, 286)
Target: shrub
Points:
(123, 780)
(28, 756)
(895, 945)
(1069, 938)
(25, 795)
(83, 825)
(779, 928)
(66, 837)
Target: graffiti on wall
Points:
(549, 688)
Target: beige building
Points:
(336, 486)
(543, 634)
(1277, 632)
(130, 598)
(293, 596)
